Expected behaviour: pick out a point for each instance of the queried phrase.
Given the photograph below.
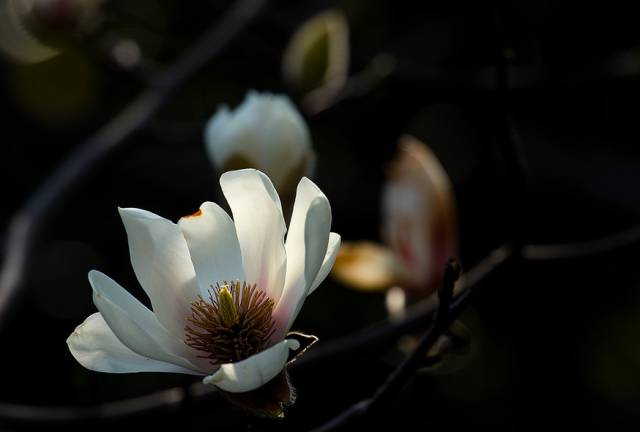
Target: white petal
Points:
(266, 131)
(284, 137)
(328, 262)
(255, 371)
(306, 247)
(218, 147)
(95, 347)
(161, 261)
(213, 244)
(257, 214)
(316, 237)
(136, 326)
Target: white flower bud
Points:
(420, 216)
(265, 132)
(419, 224)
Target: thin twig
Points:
(373, 75)
(27, 223)
(610, 243)
(380, 335)
(399, 377)
(159, 401)
(376, 337)
(441, 320)
(373, 338)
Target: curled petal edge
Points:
(255, 371)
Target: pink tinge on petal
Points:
(405, 249)
(262, 281)
(281, 316)
(260, 227)
(419, 215)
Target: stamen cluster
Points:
(233, 324)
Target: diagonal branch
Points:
(609, 243)
(372, 339)
(375, 338)
(444, 316)
(26, 225)
(162, 400)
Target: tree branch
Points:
(374, 338)
(162, 400)
(26, 225)
(398, 378)
(584, 249)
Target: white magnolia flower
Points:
(265, 132)
(224, 293)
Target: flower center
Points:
(233, 324)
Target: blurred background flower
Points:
(316, 60)
(265, 132)
(16, 41)
(32, 31)
(553, 340)
(419, 225)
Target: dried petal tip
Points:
(298, 344)
(195, 214)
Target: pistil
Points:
(234, 323)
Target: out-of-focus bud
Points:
(316, 61)
(265, 132)
(35, 30)
(396, 302)
(16, 41)
(126, 53)
(419, 216)
(73, 15)
(365, 265)
(419, 226)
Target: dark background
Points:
(554, 343)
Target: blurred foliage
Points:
(60, 91)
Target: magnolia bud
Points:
(17, 40)
(33, 31)
(265, 132)
(420, 223)
(316, 61)
(365, 266)
(74, 15)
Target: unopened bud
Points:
(265, 132)
(419, 215)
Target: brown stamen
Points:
(233, 324)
